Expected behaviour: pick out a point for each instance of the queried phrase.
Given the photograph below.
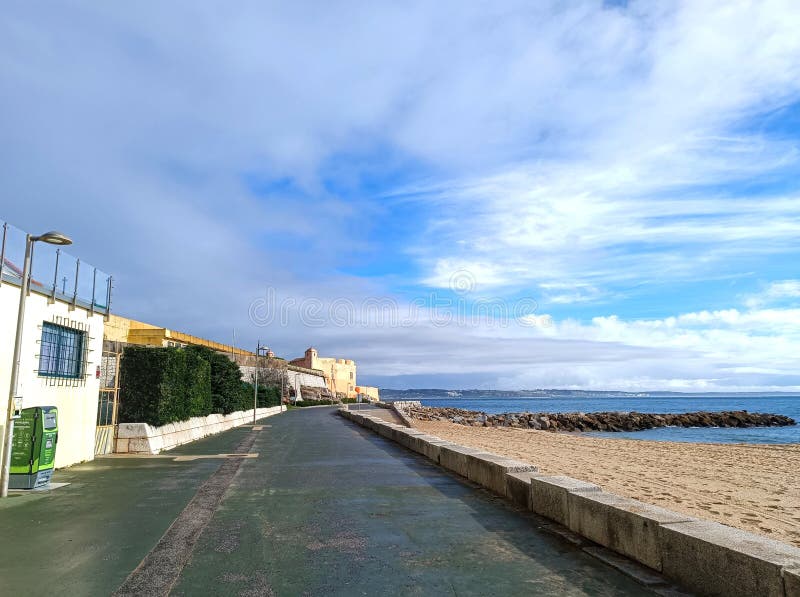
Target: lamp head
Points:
(54, 237)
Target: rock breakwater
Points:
(599, 421)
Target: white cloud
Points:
(624, 194)
(775, 291)
(567, 146)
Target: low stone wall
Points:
(141, 438)
(703, 556)
(599, 421)
(402, 407)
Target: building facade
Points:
(130, 331)
(340, 374)
(61, 351)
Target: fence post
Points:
(55, 278)
(77, 275)
(108, 297)
(94, 286)
(3, 251)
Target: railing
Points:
(54, 273)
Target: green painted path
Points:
(327, 508)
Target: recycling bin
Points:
(33, 451)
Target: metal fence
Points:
(54, 272)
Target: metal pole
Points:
(30, 268)
(77, 276)
(255, 385)
(108, 297)
(12, 391)
(55, 276)
(94, 286)
(3, 251)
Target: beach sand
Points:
(752, 487)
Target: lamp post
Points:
(259, 348)
(53, 238)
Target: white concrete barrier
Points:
(625, 525)
(141, 438)
(714, 559)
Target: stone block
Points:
(791, 582)
(518, 488)
(550, 496)
(133, 430)
(624, 525)
(366, 421)
(408, 438)
(142, 446)
(456, 458)
(432, 448)
(713, 559)
(384, 429)
(490, 470)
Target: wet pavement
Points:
(327, 508)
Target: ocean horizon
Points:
(788, 405)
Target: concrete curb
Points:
(398, 407)
(703, 556)
(141, 438)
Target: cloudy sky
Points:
(506, 194)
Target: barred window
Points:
(62, 352)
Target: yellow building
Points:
(130, 331)
(340, 374)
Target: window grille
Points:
(62, 352)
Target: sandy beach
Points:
(752, 487)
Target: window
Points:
(62, 352)
(351, 375)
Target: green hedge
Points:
(303, 403)
(267, 396)
(163, 385)
(228, 393)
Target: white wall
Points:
(141, 438)
(77, 406)
(306, 379)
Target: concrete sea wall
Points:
(141, 438)
(703, 556)
(401, 407)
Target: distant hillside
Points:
(418, 394)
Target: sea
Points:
(781, 405)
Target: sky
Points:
(509, 195)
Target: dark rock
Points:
(599, 421)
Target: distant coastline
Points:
(417, 394)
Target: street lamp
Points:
(54, 238)
(259, 348)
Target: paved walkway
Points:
(327, 508)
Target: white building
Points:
(62, 342)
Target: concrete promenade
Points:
(326, 508)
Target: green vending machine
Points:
(33, 451)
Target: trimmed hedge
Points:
(304, 403)
(228, 393)
(267, 395)
(163, 385)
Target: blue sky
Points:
(499, 195)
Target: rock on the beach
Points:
(600, 421)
